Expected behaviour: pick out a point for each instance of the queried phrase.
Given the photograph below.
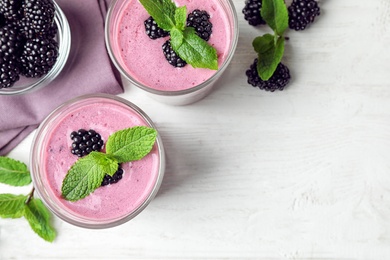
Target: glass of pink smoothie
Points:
(51, 159)
(141, 60)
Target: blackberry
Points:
(117, 176)
(85, 142)
(11, 9)
(278, 81)
(252, 13)
(38, 57)
(200, 21)
(152, 29)
(301, 13)
(172, 56)
(11, 43)
(9, 73)
(38, 16)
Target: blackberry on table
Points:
(252, 13)
(9, 73)
(38, 16)
(38, 57)
(117, 176)
(11, 43)
(200, 21)
(278, 81)
(85, 142)
(172, 56)
(301, 13)
(152, 29)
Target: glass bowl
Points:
(140, 67)
(51, 158)
(24, 84)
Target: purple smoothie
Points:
(143, 58)
(107, 203)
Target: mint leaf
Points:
(38, 217)
(181, 17)
(13, 172)
(275, 14)
(131, 144)
(86, 175)
(12, 206)
(196, 51)
(176, 37)
(162, 11)
(270, 52)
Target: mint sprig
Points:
(87, 173)
(184, 40)
(270, 48)
(15, 173)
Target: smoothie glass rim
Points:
(36, 154)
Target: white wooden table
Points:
(298, 174)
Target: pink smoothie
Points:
(143, 58)
(107, 202)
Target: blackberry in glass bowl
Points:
(34, 45)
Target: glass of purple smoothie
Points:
(141, 60)
(51, 158)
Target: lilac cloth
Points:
(88, 70)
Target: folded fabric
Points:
(88, 70)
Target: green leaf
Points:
(176, 37)
(12, 206)
(162, 11)
(39, 217)
(275, 14)
(13, 172)
(87, 174)
(270, 53)
(181, 17)
(195, 51)
(131, 144)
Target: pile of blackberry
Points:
(197, 19)
(27, 39)
(301, 13)
(84, 142)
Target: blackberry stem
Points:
(30, 195)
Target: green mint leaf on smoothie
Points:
(196, 51)
(162, 11)
(39, 217)
(13, 172)
(275, 14)
(270, 52)
(131, 144)
(181, 17)
(12, 206)
(87, 174)
(185, 42)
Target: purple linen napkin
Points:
(88, 70)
